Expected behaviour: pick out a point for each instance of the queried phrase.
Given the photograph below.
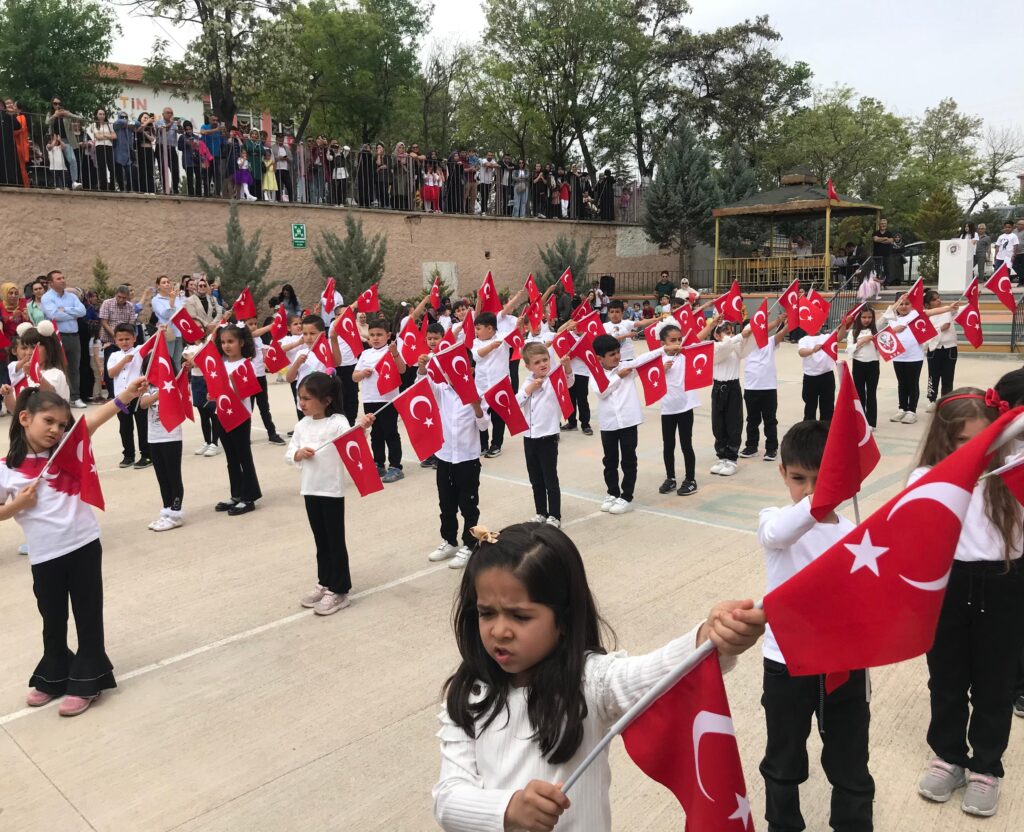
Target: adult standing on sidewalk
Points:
(64, 309)
(113, 311)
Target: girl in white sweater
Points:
(536, 690)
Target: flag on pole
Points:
(759, 325)
(552, 309)
(832, 195)
(563, 343)
(245, 307)
(999, 283)
(72, 467)
(730, 305)
(501, 398)
(888, 344)
(566, 281)
(811, 317)
(388, 376)
(435, 293)
(358, 461)
(698, 364)
(830, 346)
(323, 353)
(531, 289)
(489, 300)
(327, 297)
(279, 326)
(581, 311)
(368, 300)
(418, 410)
(923, 328)
(969, 319)
(916, 296)
(345, 328)
(584, 351)
(245, 381)
(184, 385)
(411, 342)
(652, 380)
(1012, 476)
(454, 363)
(190, 331)
(561, 387)
(161, 375)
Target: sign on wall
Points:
(298, 235)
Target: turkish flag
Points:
(561, 387)
(489, 300)
(850, 451)
(515, 340)
(566, 281)
(435, 293)
(245, 381)
(274, 358)
(888, 344)
(830, 346)
(434, 373)
(447, 340)
(563, 343)
(531, 289)
(147, 346)
(811, 316)
(358, 461)
(916, 296)
(327, 298)
(72, 467)
(454, 363)
(552, 308)
(590, 326)
(652, 380)
(874, 597)
(211, 365)
(245, 307)
(190, 331)
(388, 377)
(818, 300)
(321, 350)
(790, 299)
(832, 195)
(923, 328)
(584, 351)
(346, 329)
(161, 376)
(231, 411)
(20, 385)
(34, 371)
(535, 314)
(698, 365)
(653, 342)
(418, 409)
(279, 326)
(1012, 476)
(1000, 284)
(184, 385)
(972, 291)
(969, 319)
(501, 398)
(730, 305)
(581, 311)
(690, 324)
(468, 331)
(686, 741)
(369, 301)
(851, 316)
(759, 325)
(411, 342)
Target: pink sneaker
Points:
(75, 705)
(36, 698)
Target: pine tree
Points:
(938, 218)
(736, 181)
(239, 263)
(561, 254)
(101, 278)
(354, 262)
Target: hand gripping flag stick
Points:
(684, 667)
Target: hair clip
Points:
(483, 534)
(992, 399)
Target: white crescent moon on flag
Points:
(801, 314)
(211, 365)
(737, 303)
(560, 389)
(348, 450)
(415, 401)
(501, 397)
(347, 325)
(760, 318)
(699, 357)
(937, 585)
(967, 318)
(708, 723)
(80, 451)
(1004, 283)
(867, 428)
(460, 359)
(224, 402)
(951, 497)
(655, 375)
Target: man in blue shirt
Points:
(213, 136)
(64, 309)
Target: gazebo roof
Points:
(803, 200)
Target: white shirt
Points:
(792, 539)
(727, 358)
(759, 372)
(58, 381)
(324, 474)
(258, 363)
(58, 523)
(460, 425)
(817, 363)
(312, 364)
(156, 431)
(445, 321)
(493, 367)
(541, 409)
(979, 539)
(368, 360)
(619, 404)
(131, 370)
(676, 400)
(865, 352)
(14, 373)
(328, 317)
(945, 339)
(1005, 244)
(623, 327)
(912, 349)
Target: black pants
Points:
(485, 196)
(213, 177)
(865, 380)
(339, 191)
(843, 721)
(245, 485)
(618, 444)
(819, 393)
(727, 418)
(941, 369)
(497, 432)
(681, 423)
(206, 416)
(284, 184)
(972, 666)
(513, 373)
(195, 184)
(762, 406)
(580, 402)
(458, 491)
(105, 167)
(327, 521)
(77, 575)
(127, 178)
(1018, 267)
(542, 467)
(146, 159)
(908, 383)
(108, 381)
(299, 415)
(129, 423)
(166, 458)
(349, 393)
(384, 435)
(408, 378)
(263, 403)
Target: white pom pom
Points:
(46, 328)
(23, 327)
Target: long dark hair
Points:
(549, 566)
(858, 328)
(324, 388)
(33, 400)
(243, 334)
(53, 355)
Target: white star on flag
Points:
(742, 812)
(168, 386)
(865, 555)
(428, 422)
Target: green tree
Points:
(736, 180)
(101, 278)
(561, 254)
(354, 261)
(239, 263)
(938, 218)
(54, 47)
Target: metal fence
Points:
(147, 156)
(1017, 327)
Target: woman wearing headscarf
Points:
(13, 314)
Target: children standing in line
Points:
(791, 539)
(64, 549)
(322, 487)
(536, 689)
(819, 386)
(165, 451)
(677, 406)
(124, 365)
(384, 438)
(864, 362)
(491, 353)
(292, 346)
(726, 395)
(619, 413)
(761, 391)
(260, 368)
(234, 343)
(972, 666)
(942, 351)
(540, 441)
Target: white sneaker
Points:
(152, 526)
(79, 404)
(909, 417)
(331, 603)
(728, 468)
(898, 416)
(621, 506)
(554, 521)
(608, 502)
(442, 552)
(211, 450)
(930, 408)
(537, 518)
(75, 186)
(717, 467)
(202, 449)
(165, 524)
(461, 558)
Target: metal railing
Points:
(1017, 326)
(766, 274)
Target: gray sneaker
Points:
(393, 475)
(331, 603)
(940, 780)
(311, 600)
(982, 795)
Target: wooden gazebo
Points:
(799, 197)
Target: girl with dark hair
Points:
(864, 362)
(536, 689)
(290, 300)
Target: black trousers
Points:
(195, 183)
(105, 167)
(972, 666)
(941, 369)
(865, 380)
(108, 382)
(497, 432)
(384, 435)
(819, 393)
(327, 521)
(206, 415)
(213, 177)
(542, 467)
(762, 406)
(244, 483)
(166, 458)
(484, 190)
(727, 418)
(681, 423)
(284, 184)
(458, 492)
(908, 383)
(129, 424)
(339, 191)
(620, 445)
(843, 717)
(77, 575)
(580, 402)
(349, 393)
(263, 403)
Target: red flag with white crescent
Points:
(851, 316)
(563, 343)
(531, 289)
(790, 299)
(34, 371)
(552, 310)
(321, 350)
(345, 327)
(368, 300)
(411, 342)
(916, 296)
(161, 375)
(590, 326)
(652, 380)
(759, 325)
(730, 305)
(190, 331)
(584, 351)
(231, 411)
(653, 342)
(489, 300)
(698, 365)
(581, 311)
(690, 324)
(275, 358)
(999, 283)
(357, 458)
(279, 326)
(830, 346)
(972, 292)
(418, 410)
(516, 341)
(245, 381)
(923, 328)
(388, 376)
(811, 316)
(72, 467)
(184, 385)
(501, 398)
(567, 282)
(209, 362)
(969, 319)
(888, 344)
(327, 298)
(468, 330)
(454, 363)
(833, 196)
(245, 307)
(560, 384)
(535, 314)
(435, 293)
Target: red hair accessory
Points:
(992, 399)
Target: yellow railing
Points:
(772, 272)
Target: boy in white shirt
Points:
(124, 366)
(384, 433)
(761, 391)
(619, 413)
(260, 368)
(1005, 245)
(726, 395)
(621, 330)
(543, 415)
(792, 539)
(491, 354)
(819, 388)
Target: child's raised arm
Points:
(105, 412)
(779, 528)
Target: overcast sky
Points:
(910, 54)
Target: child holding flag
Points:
(385, 440)
(619, 414)
(234, 343)
(165, 452)
(123, 366)
(761, 391)
(491, 353)
(677, 406)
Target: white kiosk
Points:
(956, 265)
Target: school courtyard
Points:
(238, 710)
